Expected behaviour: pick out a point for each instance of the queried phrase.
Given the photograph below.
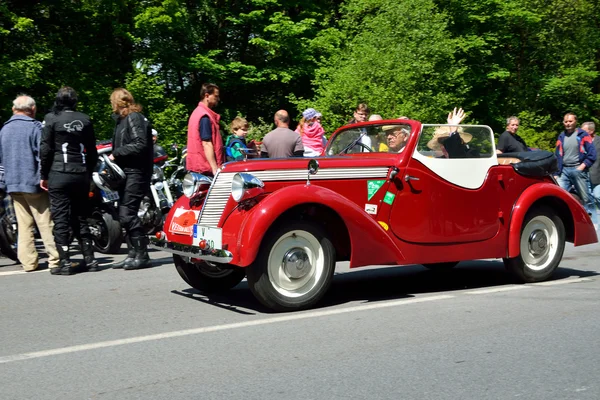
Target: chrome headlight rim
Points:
(191, 183)
(245, 186)
(157, 174)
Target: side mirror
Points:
(313, 168)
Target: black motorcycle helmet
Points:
(109, 176)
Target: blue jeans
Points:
(596, 194)
(580, 180)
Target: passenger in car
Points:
(453, 141)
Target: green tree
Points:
(395, 56)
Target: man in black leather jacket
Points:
(67, 157)
(133, 152)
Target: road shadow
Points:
(383, 284)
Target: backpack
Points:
(230, 147)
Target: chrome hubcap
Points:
(538, 243)
(296, 263)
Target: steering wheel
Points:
(360, 144)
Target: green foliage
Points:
(258, 130)
(536, 59)
(168, 116)
(400, 62)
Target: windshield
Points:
(384, 138)
(443, 141)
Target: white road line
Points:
(196, 331)
(561, 282)
(21, 272)
(495, 290)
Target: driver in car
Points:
(396, 137)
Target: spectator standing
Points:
(576, 154)
(312, 133)
(509, 141)
(19, 154)
(68, 157)
(590, 128)
(361, 114)
(204, 142)
(133, 152)
(282, 142)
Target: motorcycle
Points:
(8, 227)
(156, 206)
(104, 219)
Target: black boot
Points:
(89, 262)
(142, 259)
(130, 256)
(64, 265)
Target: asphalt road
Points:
(380, 333)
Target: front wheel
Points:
(294, 267)
(541, 246)
(208, 277)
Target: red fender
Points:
(371, 245)
(583, 227)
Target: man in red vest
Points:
(204, 143)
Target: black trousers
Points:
(69, 205)
(136, 186)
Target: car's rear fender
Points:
(578, 226)
(369, 243)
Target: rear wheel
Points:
(294, 267)
(106, 233)
(208, 277)
(541, 246)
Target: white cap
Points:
(154, 133)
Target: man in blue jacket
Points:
(19, 154)
(576, 154)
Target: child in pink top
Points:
(312, 133)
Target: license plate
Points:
(213, 236)
(108, 197)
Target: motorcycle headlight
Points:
(245, 186)
(157, 174)
(194, 182)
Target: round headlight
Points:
(245, 186)
(193, 181)
(157, 174)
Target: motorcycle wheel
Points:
(151, 217)
(106, 232)
(8, 239)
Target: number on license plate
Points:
(107, 197)
(213, 236)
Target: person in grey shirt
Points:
(20, 155)
(576, 154)
(282, 142)
(590, 128)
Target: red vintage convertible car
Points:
(390, 192)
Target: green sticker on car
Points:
(373, 187)
(389, 198)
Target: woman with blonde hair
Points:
(133, 152)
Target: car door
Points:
(448, 200)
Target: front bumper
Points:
(187, 250)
